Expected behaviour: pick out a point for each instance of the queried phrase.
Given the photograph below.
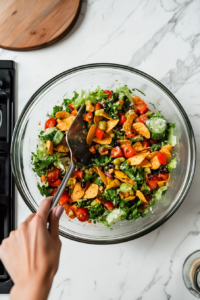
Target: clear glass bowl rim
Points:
(164, 89)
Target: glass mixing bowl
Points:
(107, 76)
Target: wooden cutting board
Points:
(35, 24)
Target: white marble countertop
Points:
(161, 38)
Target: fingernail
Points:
(59, 211)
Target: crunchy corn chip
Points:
(141, 196)
(102, 175)
(61, 148)
(125, 142)
(121, 194)
(145, 164)
(127, 125)
(167, 153)
(109, 180)
(129, 198)
(78, 192)
(111, 124)
(142, 129)
(151, 155)
(120, 174)
(137, 159)
(62, 115)
(91, 134)
(138, 144)
(113, 185)
(49, 145)
(126, 180)
(92, 191)
(97, 119)
(168, 147)
(106, 141)
(59, 121)
(155, 164)
(64, 126)
(106, 115)
(161, 183)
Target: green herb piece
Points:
(87, 177)
(155, 147)
(55, 110)
(101, 160)
(96, 211)
(45, 191)
(124, 187)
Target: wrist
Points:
(35, 287)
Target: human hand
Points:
(31, 253)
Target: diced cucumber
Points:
(112, 216)
(42, 151)
(49, 134)
(157, 126)
(171, 137)
(172, 165)
(58, 137)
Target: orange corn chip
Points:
(155, 164)
(62, 115)
(92, 191)
(61, 148)
(142, 129)
(138, 144)
(97, 119)
(111, 124)
(129, 198)
(109, 180)
(91, 134)
(78, 192)
(141, 196)
(106, 141)
(102, 175)
(145, 164)
(113, 185)
(168, 147)
(125, 142)
(127, 125)
(106, 115)
(167, 153)
(161, 183)
(137, 159)
(151, 155)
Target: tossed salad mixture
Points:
(132, 156)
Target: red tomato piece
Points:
(52, 176)
(147, 197)
(88, 117)
(50, 123)
(163, 176)
(98, 106)
(162, 158)
(79, 174)
(153, 142)
(108, 93)
(143, 119)
(71, 106)
(128, 151)
(155, 178)
(70, 211)
(100, 134)
(116, 152)
(121, 102)
(82, 214)
(131, 135)
(122, 120)
(56, 183)
(141, 109)
(145, 143)
(74, 113)
(64, 199)
(143, 206)
(54, 192)
(152, 184)
(109, 205)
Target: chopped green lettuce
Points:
(124, 187)
(161, 191)
(111, 217)
(172, 165)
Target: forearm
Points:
(31, 290)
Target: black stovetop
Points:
(7, 192)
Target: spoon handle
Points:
(62, 186)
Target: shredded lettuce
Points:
(172, 165)
(124, 91)
(161, 191)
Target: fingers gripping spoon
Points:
(79, 150)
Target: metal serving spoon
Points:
(79, 150)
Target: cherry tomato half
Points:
(141, 109)
(109, 94)
(70, 211)
(98, 106)
(163, 176)
(82, 214)
(109, 205)
(143, 119)
(56, 183)
(88, 117)
(71, 106)
(52, 176)
(100, 134)
(128, 151)
(64, 199)
(50, 123)
(122, 120)
(116, 152)
(131, 135)
(152, 184)
(143, 206)
(162, 158)
(79, 174)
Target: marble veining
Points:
(161, 38)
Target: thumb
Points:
(54, 221)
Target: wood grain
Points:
(35, 24)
